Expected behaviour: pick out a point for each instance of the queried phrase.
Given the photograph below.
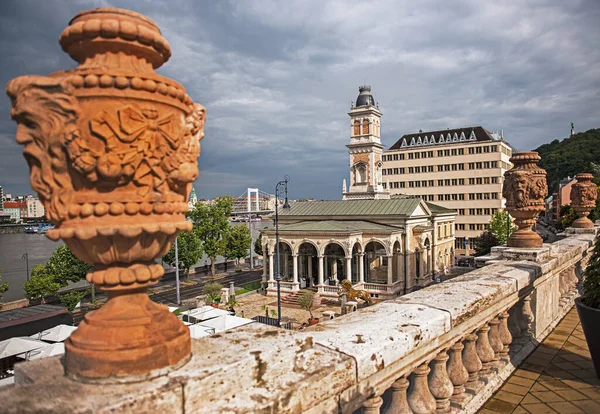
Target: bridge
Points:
(253, 201)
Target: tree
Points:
(3, 288)
(212, 290)
(567, 217)
(307, 300)
(591, 279)
(238, 241)
(501, 226)
(72, 298)
(211, 225)
(189, 251)
(41, 284)
(484, 243)
(258, 246)
(65, 267)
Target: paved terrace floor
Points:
(558, 377)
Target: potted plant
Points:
(307, 300)
(212, 290)
(588, 306)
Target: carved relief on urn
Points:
(524, 190)
(583, 199)
(112, 149)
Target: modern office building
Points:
(462, 169)
(35, 208)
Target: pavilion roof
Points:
(338, 226)
(396, 206)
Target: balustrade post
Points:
(440, 384)
(399, 400)
(528, 315)
(505, 336)
(457, 372)
(420, 399)
(472, 362)
(372, 405)
(495, 341)
(485, 351)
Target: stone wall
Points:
(453, 342)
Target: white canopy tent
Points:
(224, 323)
(52, 350)
(19, 345)
(205, 313)
(59, 333)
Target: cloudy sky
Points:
(277, 77)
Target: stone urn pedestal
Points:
(525, 189)
(112, 149)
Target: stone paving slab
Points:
(558, 377)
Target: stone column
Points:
(349, 268)
(439, 383)
(284, 275)
(321, 270)
(399, 401)
(295, 275)
(390, 268)
(372, 405)
(494, 337)
(420, 399)
(310, 275)
(271, 268)
(264, 275)
(399, 267)
(471, 361)
(361, 268)
(457, 372)
(485, 351)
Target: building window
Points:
(454, 181)
(471, 227)
(423, 154)
(461, 166)
(471, 166)
(479, 165)
(471, 196)
(486, 196)
(402, 184)
(486, 211)
(424, 183)
(495, 196)
(446, 153)
(440, 153)
(454, 152)
(447, 197)
(396, 157)
(471, 211)
(461, 197)
(430, 154)
(461, 212)
(454, 167)
(430, 168)
(411, 170)
(461, 151)
(471, 150)
(494, 180)
(494, 148)
(478, 150)
(479, 196)
(461, 181)
(454, 197)
(440, 197)
(480, 212)
(471, 181)
(417, 155)
(411, 155)
(486, 164)
(494, 164)
(447, 182)
(402, 170)
(384, 172)
(440, 183)
(486, 148)
(486, 180)
(401, 156)
(411, 184)
(431, 183)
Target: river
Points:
(39, 248)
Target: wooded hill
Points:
(573, 155)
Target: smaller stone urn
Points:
(583, 199)
(524, 190)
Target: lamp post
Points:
(26, 258)
(280, 184)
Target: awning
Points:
(59, 333)
(52, 350)
(19, 345)
(225, 322)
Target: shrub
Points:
(591, 279)
(72, 298)
(212, 290)
(307, 300)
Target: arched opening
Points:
(427, 264)
(365, 128)
(360, 173)
(334, 268)
(308, 265)
(285, 262)
(397, 263)
(356, 127)
(376, 263)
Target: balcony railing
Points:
(447, 345)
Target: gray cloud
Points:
(277, 77)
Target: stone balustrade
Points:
(445, 348)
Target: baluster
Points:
(495, 341)
(528, 314)
(420, 399)
(440, 384)
(399, 401)
(485, 351)
(472, 362)
(505, 336)
(513, 320)
(372, 405)
(457, 372)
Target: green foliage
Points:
(567, 217)
(232, 302)
(501, 226)
(65, 267)
(41, 284)
(189, 250)
(258, 246)
(72, 298)
(3, 288)
(485, 242)
(238, 241)
(212, 290)
(573, 155)
(211, 225)
(591, 279)
(307, 300)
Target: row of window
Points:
(444, 153)
(443, 167)
(476, 212)
(446, 182)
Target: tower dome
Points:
(364, 97)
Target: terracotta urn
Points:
(112, 149)
(524, 190)
(583, 199)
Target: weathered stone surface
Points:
(258, 368)
(379, 335)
